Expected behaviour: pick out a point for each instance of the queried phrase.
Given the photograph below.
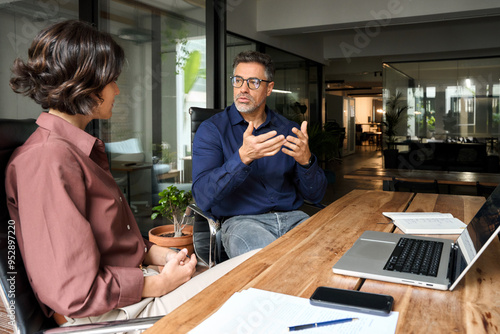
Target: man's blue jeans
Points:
(241, 234)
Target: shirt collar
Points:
(236, 118)
(84, 141)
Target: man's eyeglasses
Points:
(253, 83)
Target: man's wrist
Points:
(243, 158)
(309, 163)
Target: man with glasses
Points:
(252, 168)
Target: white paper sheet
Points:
(257, 311)
(426, 222)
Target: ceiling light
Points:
(279, 91)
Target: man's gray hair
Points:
(256, 57)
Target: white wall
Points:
(242, 20)
(453, 38)
(276, 16)
(363, 110)
(322, 30)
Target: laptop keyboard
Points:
(416, 256)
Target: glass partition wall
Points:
(148, 137)
(296, 83)
(163, 77)
(449, 100)
(20, 21)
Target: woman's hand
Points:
(178, 270)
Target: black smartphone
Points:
(352, 300)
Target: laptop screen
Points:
(480, 232)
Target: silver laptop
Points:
(385, 257)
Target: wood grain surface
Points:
(302, 260)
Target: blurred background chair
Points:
(19, 300)
(128, 152)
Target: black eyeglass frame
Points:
(248, 82)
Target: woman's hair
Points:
(69, 64)
(256, 57)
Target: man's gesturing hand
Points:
(298, 147)
(256, 147)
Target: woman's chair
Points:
(23, 310)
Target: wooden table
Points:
(302, 260)
(417, 175)
(172, 174)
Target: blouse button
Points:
(128, 227)
(121, 200)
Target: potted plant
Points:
(172, 206)
(394, 110)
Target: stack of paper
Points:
(259, 311)
(426, 222)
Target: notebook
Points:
(373, 250)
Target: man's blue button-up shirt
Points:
(225, 186)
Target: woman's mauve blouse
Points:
(78, 238)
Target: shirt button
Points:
(121, 200)
(128, 227)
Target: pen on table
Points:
(320, 324)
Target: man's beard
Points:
(246, 108)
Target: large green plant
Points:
(394, 109)
(172, 205)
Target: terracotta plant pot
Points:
(186, 241)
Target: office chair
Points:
(19, 300)
(206, 228)
(129, 150)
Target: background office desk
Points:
(416, 175)
(129, 167)
(302, 260)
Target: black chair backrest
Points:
(198, 115)
(202, 239)
(22, 306)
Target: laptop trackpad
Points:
(371, 250)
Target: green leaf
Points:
(191, 69)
